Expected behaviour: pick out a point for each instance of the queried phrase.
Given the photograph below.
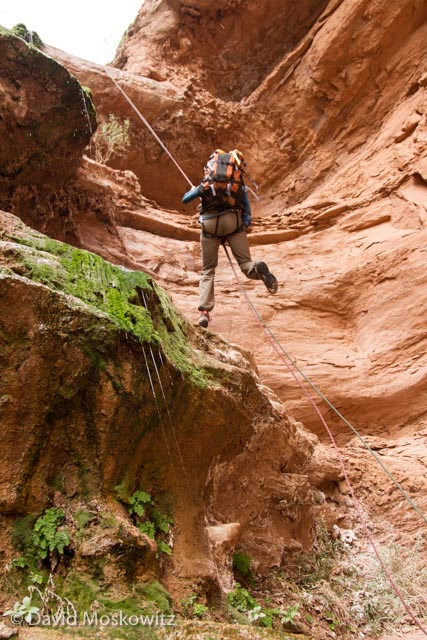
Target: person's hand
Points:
(246, 219)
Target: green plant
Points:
(242, 564)
(138, 501)
(164, 547)
(149, 528)
(193, 609)
(19, 562)
(152, 522)
(256, 614)
(161, 521)
(241, 599)
(47, 538)
(200, 610)
(290, 614)
(22, 611)
(111, 138)
(188, 602)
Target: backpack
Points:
(222, 181)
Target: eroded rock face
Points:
(335, 131)
(101, 395)
(220, 47)
(46, 119)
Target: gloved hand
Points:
(247, 219)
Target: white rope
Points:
(149, 127)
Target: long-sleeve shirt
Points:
(196, 192)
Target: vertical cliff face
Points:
(38, 143)
(335, 132)
(108, 395)
(327, 101)
(220, 48)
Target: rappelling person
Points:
(225, 214)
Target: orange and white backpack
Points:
(222, 182)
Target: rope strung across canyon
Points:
(356, 503)
(282, 353)
(259, 318)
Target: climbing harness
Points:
(285, 357)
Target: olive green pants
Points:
(225, 227)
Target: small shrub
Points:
(149, 528)
(112, 138)
(241, 599)
(188, 602)
(19, 563)
(290, 614)
(256, 614)
(164, 547)
(137, 503)
(200, 610)
(193, 609)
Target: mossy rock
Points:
(156, 593)
(44, 140)
(31, 37)
(130, 299)
(22, 532)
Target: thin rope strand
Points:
(340, 458)
(149, 127)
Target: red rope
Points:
(338, 452)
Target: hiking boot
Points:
(267, 277)
(204, 319)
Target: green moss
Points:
(80, 590)
(57, 482)
(116, 292)
(83, 517)
(149, 598)
(22, 532)
(130, 606)
(157, 594)
(173, 337)
(123, 490)
(86, 276)
(242, 564)
(90, 106)
(31, 37)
